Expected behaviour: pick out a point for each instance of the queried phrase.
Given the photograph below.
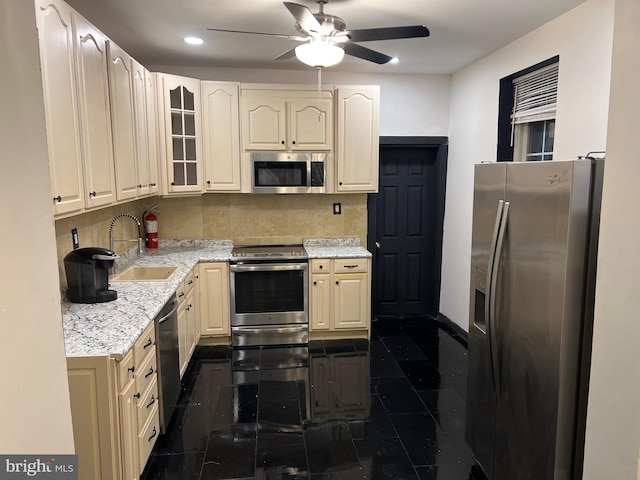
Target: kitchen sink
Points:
(145, 274)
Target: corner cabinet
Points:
(357, 155)
(281, 120)
(221, 136)
(179, 127)
(340, 298)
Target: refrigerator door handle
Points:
(487, 305)
(493, 296)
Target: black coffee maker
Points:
(88, 275)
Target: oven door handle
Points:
(268, 267)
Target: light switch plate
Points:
(337, 208)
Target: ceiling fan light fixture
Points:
(193, 40)
(319, 53)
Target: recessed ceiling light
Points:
(394, 60)
(194, 40)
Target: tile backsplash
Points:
(245, 219)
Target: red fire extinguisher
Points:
(151, 227)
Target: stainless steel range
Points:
(269, 295)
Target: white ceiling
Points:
(462, 31)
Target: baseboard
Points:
(456, 330)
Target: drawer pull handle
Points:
(351, 266)
(153, 400)
(137, 395)
(155, 432)
(190, 282)
(181, 295)
(131, 369)
(148, 344)
(149, 373)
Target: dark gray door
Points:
(405, 230)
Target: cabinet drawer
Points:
(126, 370)
(148, 436)
(189, 282)
(321, 266)
(146, 403)
(146, 372)
(144, 345)
(347, 265)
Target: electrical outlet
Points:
(74, 238)
(337, 208)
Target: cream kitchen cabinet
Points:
(214, 300)
(123, 122)
(285, 123)
(221, 136)
(95, 114)
(357, 145)
(188, 321)
(73, 60)
(145, 137)
(340, 298)
(114, 409)
(180, 140)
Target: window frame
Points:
(505, 149)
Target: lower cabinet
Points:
(340, 297)
(114, 409)
(214, 300)
(188, 320)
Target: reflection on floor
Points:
(391, 408)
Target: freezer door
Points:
(489, 190)
(541, 284)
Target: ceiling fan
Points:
(326, 38)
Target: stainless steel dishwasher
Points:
(168, 360)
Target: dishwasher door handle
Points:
(166, 317)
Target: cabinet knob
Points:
(57, 199)
(339, 183)
(208, 182)
(294, 142)
(93, 194)
(152, 184)
(321, 267)
(282, 142)
(137, 395)
(315, 283)
(337, 282)
(140, 186)
(132, 369)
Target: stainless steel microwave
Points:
(278, 172)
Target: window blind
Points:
(535, 95)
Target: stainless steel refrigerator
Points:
(534, 245)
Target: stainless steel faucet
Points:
(139, 239)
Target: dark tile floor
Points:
(391, 408)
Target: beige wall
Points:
(34, 404)
(613, 418)
(243, 218)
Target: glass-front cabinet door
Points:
(180, 98)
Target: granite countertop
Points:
(335, 248)
(112, 328)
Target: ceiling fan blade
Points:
(304, 17)
(366, 53)
(281, 35)
(388, 33)
(286, 55)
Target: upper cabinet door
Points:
(140, 117)
(123, 122)
(93, 104)
(264, 125)
(152, 131)
(179, 98)
(56, 61)
(311, 125)
(221, 136)
(358, 138)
